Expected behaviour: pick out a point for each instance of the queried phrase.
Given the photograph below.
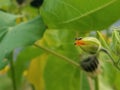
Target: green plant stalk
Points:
(38, 11)
(90, 83)
(106, 51)
(96, 83)
(12, 71)
(58, 55)
(112, 59)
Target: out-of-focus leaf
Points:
(5, 70)
(116, 35)
(84, 84)
(104, 86)
(108, 70)
(117, 81)
(21, 35)
(83, 15)
(63, 42)
(115, 48)
(23, 60)
(59, 74)
(102, 40)
(115, 44)
(7, 20)
(36, 72)
(2, 33)
(4, 3)
(5, 83)
(52, 38)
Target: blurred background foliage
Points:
(54, 24)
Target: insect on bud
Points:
(90, 45)
(90, 64)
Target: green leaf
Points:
(36, 70)
(7, 20)
(117, 36)
(115, 42)
(4, 3)
(109, 72)
(60, 75)
(83, 15)
(117, 81)
(23, 60)
(2, 33)
(102, 40)
(5, 83)
(21, 35)
(84, 84)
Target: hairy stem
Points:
(58, 55)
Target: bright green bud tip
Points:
(88, 44)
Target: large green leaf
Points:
(83, 15)
(84, 85)
(59, 74)
(21, 35)
(7, 20)
(4, 3)
(36, 70)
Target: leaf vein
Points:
(88, 13)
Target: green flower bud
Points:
(88, 44)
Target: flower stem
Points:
(112, 59)
(90, 83)
(58, 55)
(96, 83)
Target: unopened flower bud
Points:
(88, 44)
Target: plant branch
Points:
(112, 59)
(58, 55)
(96, 83)
(90, 83)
